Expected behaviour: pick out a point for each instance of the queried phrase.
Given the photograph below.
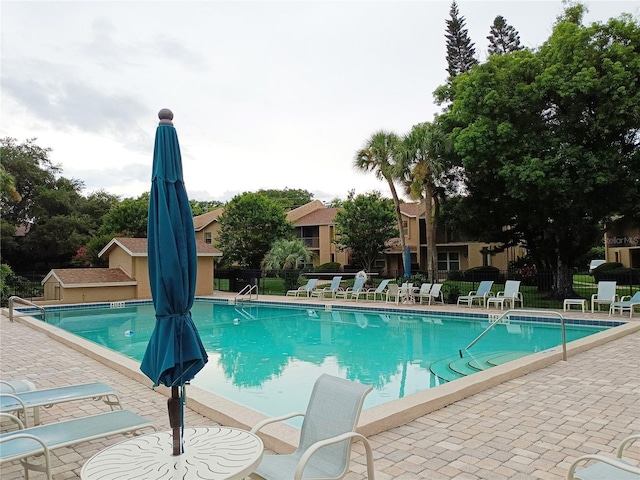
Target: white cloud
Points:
(265, 94)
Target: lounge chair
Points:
(305, 289)
(510, 295)
(481, 294)
(626, 303)
(380, 290)
(40, 440)
(435, 293)
(606, 295)
(393, 293)
(606, 467)
(423, 293)
(353, 292)
(328, 430)
(16, 386)
(331, 290)
(22, 401)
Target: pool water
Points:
(267, 357)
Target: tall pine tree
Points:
(503, 38)
(460, 49)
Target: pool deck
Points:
(529, 427)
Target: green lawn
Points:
(583, 284)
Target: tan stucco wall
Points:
(118, 258)
(96, 294)
(204, 282)
(214, 228)
(140, 272)
(51, 289)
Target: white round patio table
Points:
(210, 453)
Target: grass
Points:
(583, 284)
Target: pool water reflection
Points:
(267, 357)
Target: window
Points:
(207, 237)
(449, 261)
(405, 228)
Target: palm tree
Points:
(378, 155)
(421, 153)
(286, 255)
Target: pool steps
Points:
(454, 367)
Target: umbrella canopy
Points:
(407, 262)
(175, 352)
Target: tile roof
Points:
(201, 221)
(137, 247)
(322, 216)
(82, 277)
(412, 209)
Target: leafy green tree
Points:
(365, 225)
(98, 203)
(379, 155)
(287, 254)
(200, 207)
(251, 222)
(289, 198)
(8, 188)
(550, 140)
(422, 153)
(32, 170)
(129, 218)
(460, 49)
(6, 279)
(503, 38)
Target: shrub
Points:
(453, 294)
(607, 266)
(456, 275)
(621, 275)
(477, 274)
(328, 267)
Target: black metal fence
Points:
(537, 287)
(24, 285)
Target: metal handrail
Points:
(247, 290)
(13, 299)
(537, 312)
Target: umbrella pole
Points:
(175, 419)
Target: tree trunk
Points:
(564, 281)
(432, 250)
(396, 202)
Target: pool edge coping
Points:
(283, 438)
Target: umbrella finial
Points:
(165, 115)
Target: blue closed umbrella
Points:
(407, 262)
(175, 352)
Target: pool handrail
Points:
(12, 300)
(247, 290)
(494, 322)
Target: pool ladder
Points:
(505, 318)
(15, 298)
(246, 294)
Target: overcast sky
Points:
(265, 94)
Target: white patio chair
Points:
(484, 291)
(328, 430)
(425, 288)
(305, 289)
(331, 289)
(606, 295)
(510, 295)
(606, 467)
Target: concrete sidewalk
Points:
(532, 427)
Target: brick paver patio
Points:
(528, 428)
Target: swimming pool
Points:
(266, 356)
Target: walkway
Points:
(528, 428)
